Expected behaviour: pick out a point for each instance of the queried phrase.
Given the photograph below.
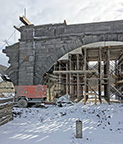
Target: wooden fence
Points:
(6, 106)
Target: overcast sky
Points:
(53, 11)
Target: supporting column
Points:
(49, 90)
(100, 74)
(82, 77)
(106, 74)
(85, 74)
(59, 82)
(116, 73)
(53, 94)
(78, 81)
(70, 76)
(67, 84)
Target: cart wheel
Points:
(22, 103)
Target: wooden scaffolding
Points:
(89, 71)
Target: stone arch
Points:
(97, 44)
(90, 45)
(57, 52)
(43, 45)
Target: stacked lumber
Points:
(6, 107)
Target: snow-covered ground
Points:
(102, 124)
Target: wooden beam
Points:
(24, 20)
(67, 84)
(78, 80)
(85, 73)
(49, 90)
(17, 28)
(76, 71)
(107, 75)
(65, 22)
(119, 82)
(100, 74)
(60, 77)
(52, 76)
(85, 97)
(70, 75)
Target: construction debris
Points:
(64, 100)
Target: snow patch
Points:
(102, 124)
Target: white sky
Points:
(54, 11)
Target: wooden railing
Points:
(6, 107)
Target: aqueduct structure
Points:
(35, 58)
